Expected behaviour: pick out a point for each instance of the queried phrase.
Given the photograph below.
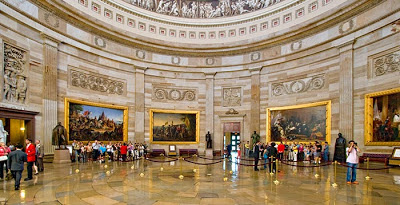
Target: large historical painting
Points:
(383, 118)
(299, 123)
(171, 126)
(86, 121)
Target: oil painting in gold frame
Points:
(174, 126)
(89, 121)
(382, 118)
(305, 123)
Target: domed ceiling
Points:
(204, 27)
(203, 8)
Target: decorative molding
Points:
(232, 111)
(173, 94)
(52, 20)
(296, 45)
(299, 85)
(175, 60)
(96, 82)
(346, 26)
(255, 56)
(231, 97)
(15, 74)
(210, 61)
(140, 54)
(100, 42)
(386, 64)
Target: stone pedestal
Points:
(61, 156)
(209, 153)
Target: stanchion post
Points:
(368, 177)
(181, 175)
(334, 185)
(271, 164)
(276, 182)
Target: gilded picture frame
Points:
(369, 116)
(156, 125)
(122, 110)
(325, 104)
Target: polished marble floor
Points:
(122, 183)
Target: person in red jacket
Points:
(31, 152)
(124, 150)
(281, 149)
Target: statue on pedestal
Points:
(209, 140)
(340, 149)
(59, 136)
(254, 139)
(3, 133)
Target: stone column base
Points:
(61, 156)
(209, 153)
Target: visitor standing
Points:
(273, 153)
(39, 155)
(281, 149)
(124, 151)
(247, 149)
(352, 162)
(256, 151)
(4, 152)
(16, 161)
(326, 152)
(31, 157)
(95, 150)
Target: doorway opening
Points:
(16, 125)
(231, 138)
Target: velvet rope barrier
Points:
(210, 158)
(295, 165)
(361, 168)
(250, 165)
(198, 163)
(161, 161)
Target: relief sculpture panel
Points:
(386, 64)
(299, 85)
(173, 94)
(232, 97)
(96, 82)
(15, 69)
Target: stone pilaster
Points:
(346, 90)
(255, 100)
(50, 93)
(139, 104)
(210, 105)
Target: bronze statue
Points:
(255, 138)
(209, 140)
(59, 136)
(340, 149)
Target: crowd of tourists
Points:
(314, 153)
(99, 151)
(12, 160)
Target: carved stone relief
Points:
(173, 94)
(299, 85)
(386, 64)
(231, 96)
(15, 77)
(95, 82)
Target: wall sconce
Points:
(22, 129)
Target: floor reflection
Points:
(122, 183)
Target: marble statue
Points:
(3, 133)
(209, 140)
(59, 136)
(340, 149)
